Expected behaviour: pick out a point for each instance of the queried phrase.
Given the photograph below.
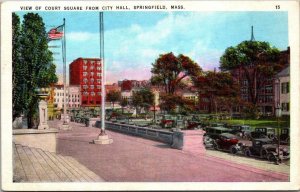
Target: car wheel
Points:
(271, 136)
(247, 153)
(216, 145)
(233, 150)
(263, 153)
(271, 157)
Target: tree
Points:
(113, 96)
(136, 101)
(17, 70)
(123, 103)
(147, 98)
(169, 102)
(168, 71)
(36, 60)
(256, 60)
(220, 87)
(143, 98)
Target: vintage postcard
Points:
(150, 95)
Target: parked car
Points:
(285, 135)
(263, 132)
(213, 132)
(265, 148)
(226, 142)
(243, 131)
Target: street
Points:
(134, 159)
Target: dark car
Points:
(213, 132)
(266, 148)
(226, 142)
(243, 131)
(285, 135)
(263, 132)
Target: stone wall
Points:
(174, 139)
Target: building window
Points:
(84, 67)
(98, 63)
(85, 93)
(85, 86)
(269, 89)
(85, 80)
(84, 74)
(92, 93)
(285, 106)
(98, 68)
(92, 73)
(245, 82)
(285, 88)
(92, 86)
(92, 80)
(269, 98)
(98, 80)
(244, 90)
(92, 67)
(99, 93)
(84, 62)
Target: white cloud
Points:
(81, 36)
(133, 49)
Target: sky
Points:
(134, 40)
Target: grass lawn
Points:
(257, 123)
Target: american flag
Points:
(56, 33)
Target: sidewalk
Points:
(136, 159)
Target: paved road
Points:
(130, 159)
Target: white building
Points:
(74, 96)
(282, 96)
(59, 96)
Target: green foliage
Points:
(251, 111)
(18, 72)
(113, 96)
(257, 61)
(168, 71)
(143, 98)
(32, 63)
(248, 53)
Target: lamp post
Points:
(278, 114)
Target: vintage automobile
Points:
(285, 135)
(243, 131)
(265, 148)
(213, 132)
(226, 142)
(263, 132)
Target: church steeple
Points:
(252, 34)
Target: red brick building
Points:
(87, 73)
(265, 92)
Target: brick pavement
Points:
(130, 159)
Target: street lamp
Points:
(278, 113)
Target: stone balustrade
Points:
(174, 139)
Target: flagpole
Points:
(103, 73)
(65, 123)
(103, 137)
